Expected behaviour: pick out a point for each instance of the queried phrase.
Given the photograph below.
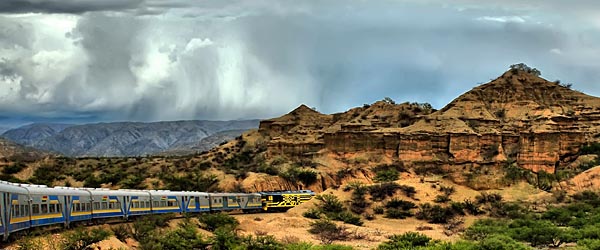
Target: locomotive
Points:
(24, 206)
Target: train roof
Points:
(123, 192)
(12, 187)
(44, 190)
(288, 192)
(178, 193)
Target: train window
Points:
(171, 203)
(104, 205)
(15, 211)
(52, 208)
(197, 199)
(35, 208)
(44, 208)
(88, 206)
(26, 210)
(155, 203)
(96, 205)
(163, 203)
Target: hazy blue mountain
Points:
(122, 138)
(205, 144)
(28, 135)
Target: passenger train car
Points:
(23, 206)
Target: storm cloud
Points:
(165, 60)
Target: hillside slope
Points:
(121, 138)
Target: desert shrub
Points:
(409, 191)
(327, 231)
(46, 175)
(122, 232)
(545, 180)
(369, 216)
(441, 198)
(191, 181)
(484, 198)
(587, 197)
(212, 222)
(484, 228)
(29, 243)
(295, 174)
(182, 238)
(143, 227)
(378, 210)
(396, 213)
(224, 239)
(400, 204)
(358, 202)
(538, 232)
(447, 190)
(347, 217)
(408, 240)
(386, 175)
(312, 213)
(14, 168)
(262, 242)
(513, 174)
(82, 239)
(500, 242)
(330, 203)
(434, 214)
(381, 191)
(591, 148)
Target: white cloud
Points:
(502, 19)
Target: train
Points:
(24, 206)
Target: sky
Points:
(79, 61)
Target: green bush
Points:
(212, 222)
(330, 203)
(484, 228)
(395, 213)
(500, 242)
(182, 238)
(409, 191)
(263, 242)
(347, 217)
(14, 168)
(386, 175)
(434, 214)
(327, 231)
(408, 240)
(441, 198)
(82, 239)
(378, 210)
(312, 213)
(381, 191)
(400, 204)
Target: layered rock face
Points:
(518, 117)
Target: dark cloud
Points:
(66, 6)
(118, 60)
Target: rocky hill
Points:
(10, 151)
(518, 119)
(121, 138)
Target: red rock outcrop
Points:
(516, 117)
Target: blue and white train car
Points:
(14, 208)
(233, 201)
(106, 203)
(165, 201)
(48, 205)
(137, 202)
(195, 202)
(77, 204)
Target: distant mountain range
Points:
(128, 138)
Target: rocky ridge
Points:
(517, 119)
